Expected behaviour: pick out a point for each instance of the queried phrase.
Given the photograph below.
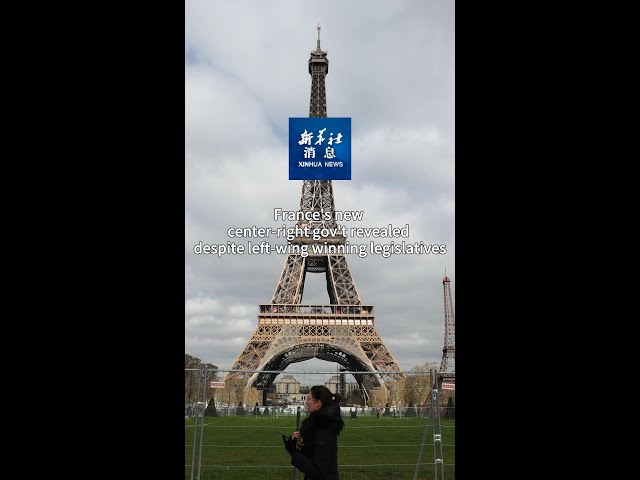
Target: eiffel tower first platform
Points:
(343, 332)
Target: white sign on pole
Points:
(217, 384)
(448, 386)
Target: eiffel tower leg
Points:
(291, 283)
(253, 353)
(342, 290)
(377, 352)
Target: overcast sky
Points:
(392, 70)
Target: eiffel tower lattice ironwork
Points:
(342, 332)
(447, 371)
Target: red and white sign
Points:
(217, 384)
(448, 386)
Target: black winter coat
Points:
(318, 458)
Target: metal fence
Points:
(406, 431)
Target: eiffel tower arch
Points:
(343, 331)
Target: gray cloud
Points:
(392, 71)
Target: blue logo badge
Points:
(319, 148)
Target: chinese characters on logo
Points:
(310, 152)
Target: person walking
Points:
(314, 449)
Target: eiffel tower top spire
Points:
(318, 69)
(318, 28)
(317, 195)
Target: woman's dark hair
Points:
(322, 393)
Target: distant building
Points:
(350, 387)
(288, 389)
(334, 383)
(287, 384)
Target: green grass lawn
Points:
(246, 448)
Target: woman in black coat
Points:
(314, 449)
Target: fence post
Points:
(195, 428)
(424, 439)
(434, 408)
(204, 401)
(439, 436)
(295, 470)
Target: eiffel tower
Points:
(447, 371)
(341, 332)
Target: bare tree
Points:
(418, 383)
(191, 377)
(355, 397)
(252, 396)
(377, 397)
(397, 390)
